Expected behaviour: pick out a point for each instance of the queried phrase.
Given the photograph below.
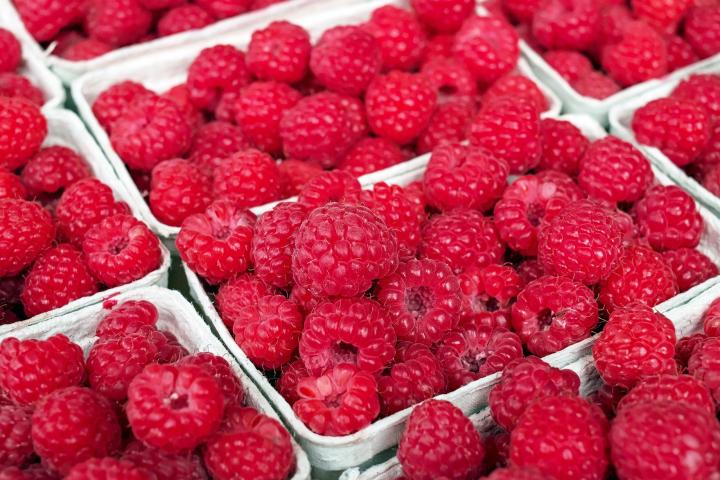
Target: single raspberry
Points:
(279, 52)
(511, 130)
(663, 16)
(85, 50)
(703, 89)
(488, 46)
(691, 267)
(679, 53)
(684, 348)
(399, 36)
(178, 190)
(225, 8)
(370, 155)
(165, 466)
(450, 78)
(15, 85)
(291, 374)
(639, 55)
(247, 178)
(107, 468)
(260, 108)
(340, 402)
(327, 187)
(438, 429)
(11, 187)
(596, 85)
(221, 371)
(571, 65)
(44, 19)
(111, 104)
(702, 29)
(566, 24)
(22, 130)
(216, 244)
(214, 142)
(703, 364)
(57, 277)
(518, 87)
(216, 70)
(671, 388)
(27, 232)
(16, 445)
(11, 51)
(127, 318)
(688, 437)
(711, 320)
(54, 169)
(181, 96)
(449, 123)
(563, 146)
(239, 292)
(182, 19)
(668, 218)
(117, 22)
(487, 294)
(445, 16)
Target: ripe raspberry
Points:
(488, 46)
(423, 298)
(356, 247)
(639, 55)
(691, 267)
(279, 52)
(127, 318)
(444, 16)
(679, 53)
(327, 187)
(399, 37)
(458, 176)
(54, 169)
(22, 130)
(688, 437)
(668, 218)
(703, 364)
(567, 24)
(340, 402)
(222, 372)
(563, 146)
(14, 85)
(183, 18)
(571, 65)
(290, 376)
(596, 85)
(684, 348)
(178, 190)
(225, 8)
(45, 18)
(511, 130)
(636, 343)
(11, 187)
(663, 16)
(450, 123)
(247, 178)
(165, 466)
(215, 71)
(85, 50)
(562, 436)
(518, 87)
(370, 155)
(117, 22)
(670, 388)
(16, 445)
(437, 429)
(11, 56)
(27, 232)
(239, 292)
(703, 89)
(111, 104)
(57, 277)
(260, 108)
(216, 244)
(107, 468)
(414, 376)
(181, 96)
(711, 320)
(702, 29)
(487, 295)
(214, 142)
(450, 78)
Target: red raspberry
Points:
(703, 89)
(11, 56)
(127, 318)
(567, 24)
(444, 16)
(691, 267)
(214, 142)
(181, 96)
(668, 218)
(437, 430)
(684, 348)
(121, 249)
(117, 22)
(57, 277)
(16, 445)
(521, 10)
(711, 319)
(571, 65)
(529, 270)
(111, 104)
(399, 36)
(11, 187)
(670, 388)
(27, 232)
(183, 18)
(450, 79)
(178, 190)
(487, 295)
(414, 376)
(524, 381)
(663, 16)
(518, 87)
(85, 50)
(340, 402)
(423, 298)
(260, 108)
(596, 85)
(449, 123)
(688, 437)
(44, 19)
(163, 465)
(215, 71)
(107, 468)
(53, 169)
(562, 436)
(267, 450)
(458, 176)
(563, 145)
(241, 291)
(370, 155)
(291, 375)
(511, 130)
(327, 187)
(552, 313)
(488, 46)
(636, 343)
(248, 178)
(703, 364)
(14, 85)
(639, 55)
(216, 244)
(679, 53)
(279, 52)
(702, 29)
(225, 8)
(22, 130)
(174, 408)
(221, 371)
(356, 247)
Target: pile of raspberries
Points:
(63, 235)
(363, 98)
(80, 30)
(139, 407)
(366, 302)
(653, 417)
(12, 82)
(603, 46)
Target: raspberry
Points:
(703, 89)
(488, 46)
(215, 71)
(614, 171)
(414, 376)
(571, 65)
(511, 130)
(487, 295)
(85, 50)
(11, 187)
(224, 8)
(174, 408)
(702, 29)
(11, 56)
(596, 85)
(241, 291)
(370, 155)
(690, 267)
(57, 277)
(356, 247)
(399, 37)
(663, 16)
(222, 372)
(450, 79)
(183, 18)
(214, 142)
(27, 232)
(562, 436)
(668, 218)
(248, 178)
(679, 53)
(260, 108)
(22, 130)
(449, 124)
(437, 429)
(711, 319)
(445, 16)
(106, 468)
(14, 85)
(639, 55)
(178, 190)
(127, 318)
(671, 388)
(566, 24)
(636, 343)
(291, 375)
(16, 446)
(45, 18)
(340, 402)
(458, 176)
(121, 249)
(703, 364)
(327, 187)
(216, 243)
(181, 96)
(111, 104)
(279, 52)
(117, 22)
(163, 465)
(563, 146)
(688, 437)
(684, 348)
(53, 169)
(518, 87)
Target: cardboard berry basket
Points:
(177, 316)
(66, 129)
(338, 453)
(161, 72)
(621, 125)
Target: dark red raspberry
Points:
(487, 295)
(57, 277)
(11, 56)
(510, 129)
(370, 155)
(45, 18)
(165, 466)
(279, 52)
(53, 169)
(518, 87)
(183, 18)
(112, 103)
(85, 50)
(127, 318)
(668, 218)
(107, 468)
(450, 123)
(679, 53)
(445, 16)
(702, 29)
(327, 187)
(216, 244)
(567, 24)
(247, 178)
(596, 85)
(703, 364)
(241, 291)
(639, 55)
(563, 145)
(16, 445)
(214, 142)
(117, 22)
(225, 8)
(691, 267)
(682, 432)
(437, 429)
(684, 348)
(222, 372)
(14, 85)
(671, 388)
(340, 402)
(11, 187)
(399, 36)
(488, 46)
(569, 64)
(22, 130)
(178, 190)
(27, 232)
(711, 319)
(703, 89)
(636, 343)
(215, 71)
